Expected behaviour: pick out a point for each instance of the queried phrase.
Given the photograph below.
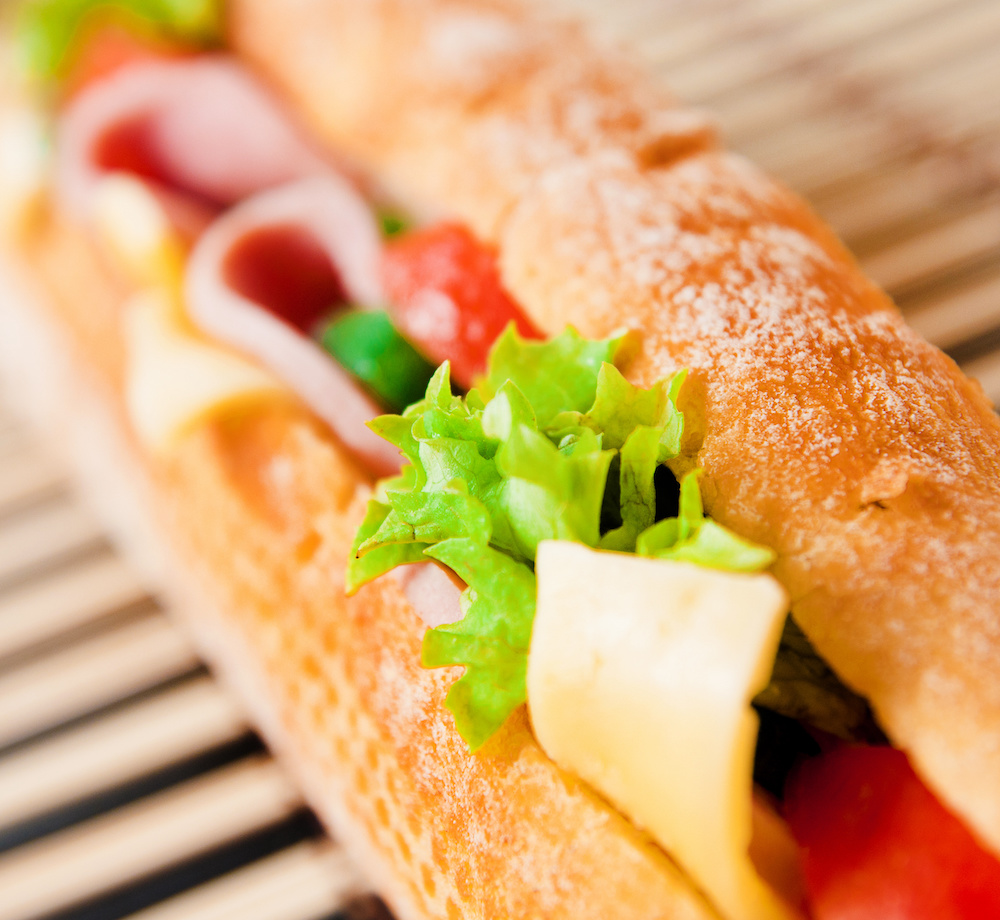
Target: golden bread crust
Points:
(261, 509)
(457, 106)
(463, 834)
(830, 431)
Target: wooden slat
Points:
(50, 533)
(987, 371)
(152, 834)
(959, 94)
(768, 12)
(843, 147)
(860, 24)
(875, 210)
(782, 42)
(945, 247)
(970, 310)
(306, 882)
(744, 116)
(667, 45)
(812, 152)
(927, 45)
(66, 599)
(80, 679)
(146, 736)
(26, 477)
(702, 80)
(870, 69)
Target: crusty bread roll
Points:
(831, 432)
(826, 430)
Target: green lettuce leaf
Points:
(558, 375)
(638, 461)
(384, 558)
(692, 537)
(620, 407)
(490, 641)
(527, 457)
(550, 494)
(429, 517)
(47, 30)
(804, 688)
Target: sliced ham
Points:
(433, 591)
(202, 131)
(319, 236)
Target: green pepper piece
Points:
(393, 223)
(369, 347)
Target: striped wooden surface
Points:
(130, 784)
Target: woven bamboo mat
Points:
(130, 784)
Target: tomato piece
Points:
(447, 298)
(877, 844)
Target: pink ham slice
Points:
(205, 135)
(201, 131)
(432, 591)
(319, 236)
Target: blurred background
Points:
(130, 781)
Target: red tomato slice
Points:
(877, 845)
(447, 297)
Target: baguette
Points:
(825, 428)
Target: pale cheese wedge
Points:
(24, 163)
(133, 225)
(176, 379)
(640, 677)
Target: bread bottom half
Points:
(246, 527)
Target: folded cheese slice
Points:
(176, 378)
(640, 677)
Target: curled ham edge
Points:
(290, 186)
(213, 136)
(340, 221)
(190, 110)
(178, 123)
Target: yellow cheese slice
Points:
(176, 379)
(640, 677)
(135, 228)
(24, 161)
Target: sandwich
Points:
(581, 526)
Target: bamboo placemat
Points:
(130, 784)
